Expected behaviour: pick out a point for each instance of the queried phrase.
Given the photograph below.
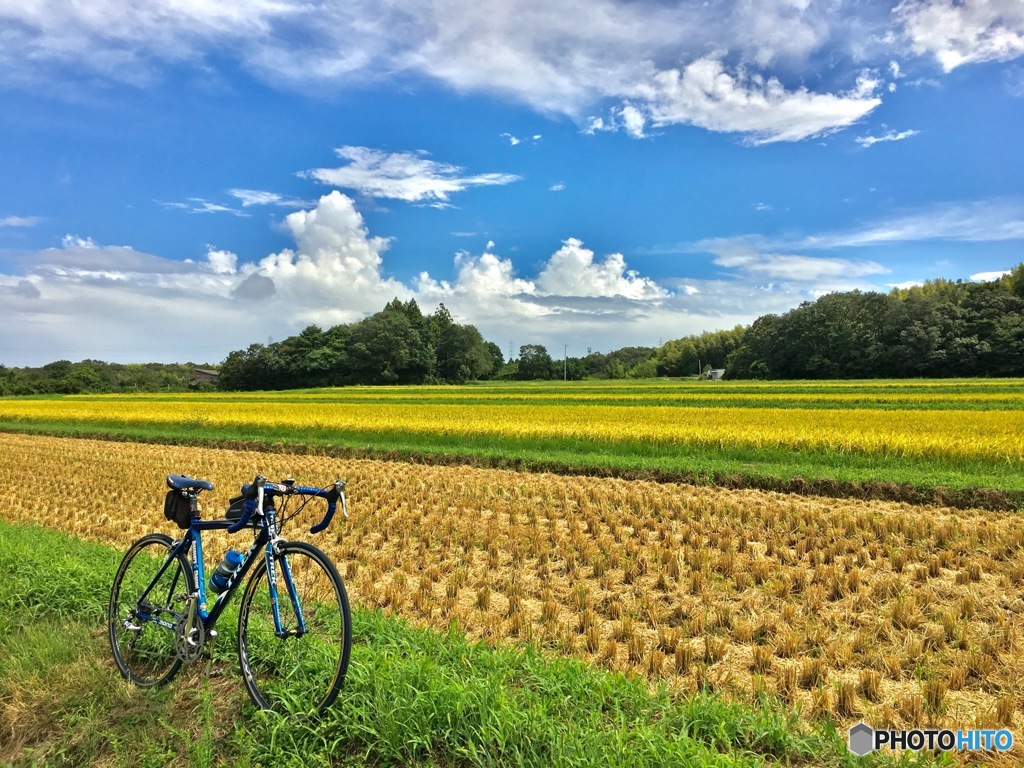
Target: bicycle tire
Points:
(145, 651)
(296, 674)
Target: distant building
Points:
(202, 376)
(715, 374)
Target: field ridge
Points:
(971, 497)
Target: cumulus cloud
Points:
(130, 305)
(572, 271)
(408, 176)
(958, 32)
(633, 121)
(74, 241)
(221, 262)
(122, 301)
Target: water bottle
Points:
(225, 570)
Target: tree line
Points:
(66, 378)
(688, 356)
(398, 345)
(938, 329)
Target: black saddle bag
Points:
(178, 507)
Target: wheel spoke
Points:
(144, 651)
(292, 671)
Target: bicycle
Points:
(294, 624)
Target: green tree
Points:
(385, 349)
(534, 362)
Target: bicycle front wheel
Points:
(148, 598)
(298, 664)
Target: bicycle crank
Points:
(190, 634)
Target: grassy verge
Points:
(413, 697)
(891, 478)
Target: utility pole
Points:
(565, 363)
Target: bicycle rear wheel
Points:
(143, 614)
(295, 671)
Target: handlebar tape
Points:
(251, 493)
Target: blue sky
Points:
(181, 179)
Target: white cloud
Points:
(221, 262)
(127, 305)
(991, 220)
(633, 121)
(572, 271)
(644, 61)
(20, 221)
(706, 94)
(868, 141)
(985, 277)
(124, 303)
(958, 32)
(335, 267)
(1013, 78)
(74, 241)
(401, 175)
(789, 266)
(515, 141)
(906, 284)
(557, 187)
(977, 221)
(199, 205)
(250, 197)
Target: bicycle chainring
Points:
(188, 641)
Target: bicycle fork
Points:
(293, 595)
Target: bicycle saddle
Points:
(183, 483)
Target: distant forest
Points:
(938, 329)
(66, 378)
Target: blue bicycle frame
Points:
(191, 545)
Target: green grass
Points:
(957, 394)
(412, 697)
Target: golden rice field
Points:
(896, 614)
(949, 436)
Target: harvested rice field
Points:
(849, 609)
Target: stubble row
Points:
(897, 614)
